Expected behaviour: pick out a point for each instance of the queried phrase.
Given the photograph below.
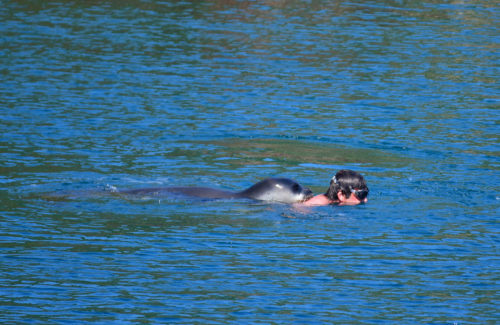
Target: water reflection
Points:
(223, 93)
(295, 152)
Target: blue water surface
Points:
(98, 96)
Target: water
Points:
(223, 94)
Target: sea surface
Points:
(102, 96)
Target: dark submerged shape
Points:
(270, 189)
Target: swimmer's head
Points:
(347, 182)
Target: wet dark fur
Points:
(270, 189)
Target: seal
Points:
(282, 190)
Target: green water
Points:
(138, 94)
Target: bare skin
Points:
(322, 199)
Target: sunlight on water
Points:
(97, 98)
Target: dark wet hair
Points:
(345, 181)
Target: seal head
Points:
(277, 189)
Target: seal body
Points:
(270, 189)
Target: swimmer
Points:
(347, 187)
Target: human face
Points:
(351, 200)
(360, 194)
